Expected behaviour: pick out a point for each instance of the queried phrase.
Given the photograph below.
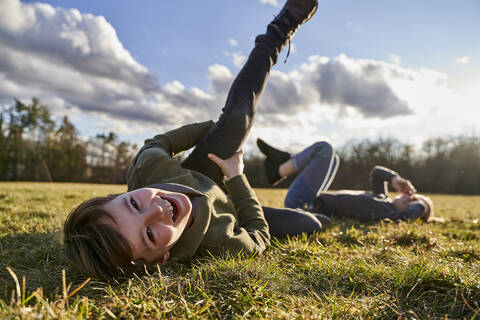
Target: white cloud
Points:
(463, 60)
(238, 59)
(340, 98)
(271, 2)
(77, 60)
(75, 63)
(395, 58)
(364, 85)
(233, 42)
(221, 79)
(343, 98)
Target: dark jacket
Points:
(367, 206)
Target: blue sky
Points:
(170, 47)
(179, 40)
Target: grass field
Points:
(351, 271)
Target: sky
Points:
(359, 69)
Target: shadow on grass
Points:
(353, 232)
(418, 286)
(467, 255)
(461, 235)
(457, 223)
(37, 256)
(410, 238)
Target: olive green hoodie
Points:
(222, 223)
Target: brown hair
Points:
(93, 246)
(430, 208)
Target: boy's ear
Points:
(164, 258)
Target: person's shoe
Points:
(275, 156)
(293, 14)
(324, 220)
(273, 175)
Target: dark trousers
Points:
(316, 166)
(230, 131)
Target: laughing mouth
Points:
(172, 209)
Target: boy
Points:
(177, 210)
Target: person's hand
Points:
(232, 166)
(402, 185)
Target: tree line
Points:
(440, 165)
(35, 147)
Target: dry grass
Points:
(353, 270)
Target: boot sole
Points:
(311, 13)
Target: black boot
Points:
(282, 29)
(273, 161)
(274, 155)
(273, 174)
(293, 14)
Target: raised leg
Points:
(229, 133)
(317, 165)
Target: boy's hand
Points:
(403, 185)
(232, 166)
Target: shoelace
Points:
(288, 52)
(287, 20)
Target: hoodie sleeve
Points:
(379, 178)
(253, 233)
(413, 212)
(154, 162)
(180, 139)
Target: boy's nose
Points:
(156, 212)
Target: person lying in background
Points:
(316, 167)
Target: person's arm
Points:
(380, 176)
(250, 217)
(364, 207)
(180, 139)
(154, 162)
(253, 234)
(414, 211)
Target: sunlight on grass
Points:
(352, 270)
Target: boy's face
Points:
(401, 202)
(152, 221)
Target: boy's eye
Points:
(134, 204)
(150, 234)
